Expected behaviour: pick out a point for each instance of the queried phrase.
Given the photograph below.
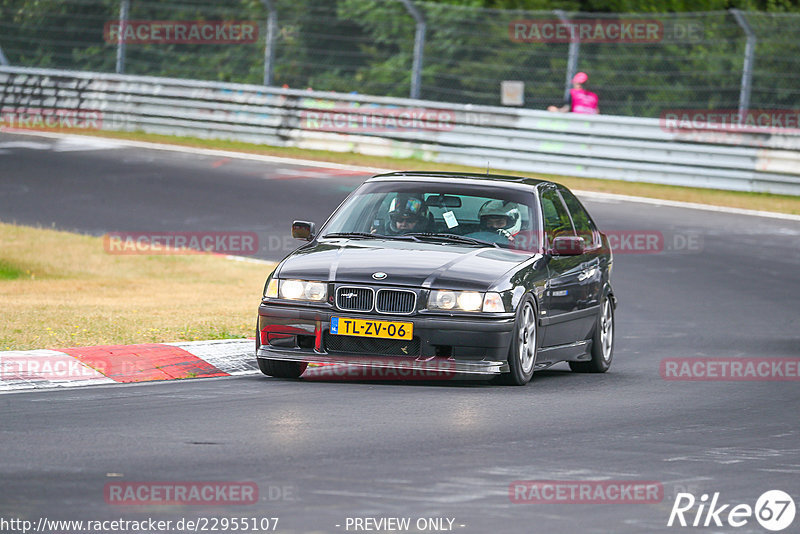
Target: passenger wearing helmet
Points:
(408, 213)
(500, 217)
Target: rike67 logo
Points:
(774, 510)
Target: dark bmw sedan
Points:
(465, 274)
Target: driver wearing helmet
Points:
(407, 213)
(500, 217)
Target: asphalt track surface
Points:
(414, 449)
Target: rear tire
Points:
(602, 342)
(524, 345)
(278, 368)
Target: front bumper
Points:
(447, 344)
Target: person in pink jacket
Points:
(580, 100)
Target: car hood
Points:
(412, 264)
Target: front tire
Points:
(524, 345)
(281, 369)
(602, 342)
(278, 368)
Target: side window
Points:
(583, 223)
(556, 218)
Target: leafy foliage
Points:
(368, 45)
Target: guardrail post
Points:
(269, 41)
(747, 69)
(574, 48)
(3, 58)
(419, 48)
(124, 7)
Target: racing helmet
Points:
(407, 207)
(501, 208)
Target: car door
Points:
(590, 281)
(562, 292)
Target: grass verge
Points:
(734, 199)
(60, 289)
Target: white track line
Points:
(373, 170)
(596, 195)
(209, 152)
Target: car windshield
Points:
(466, 215)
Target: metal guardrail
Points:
(607, 147)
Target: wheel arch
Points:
(608, 291)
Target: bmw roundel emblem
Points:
(379, 275)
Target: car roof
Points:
(464, 177)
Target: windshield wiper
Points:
(364, 235)
(455, 238)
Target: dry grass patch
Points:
(59, 289)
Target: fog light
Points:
(445, 300)
(315, 291)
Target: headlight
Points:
(470, 300)
(464, 301)
(292, 289)
(300, 290)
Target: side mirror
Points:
(568, 245)
(303, 230)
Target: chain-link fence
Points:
(639, 64)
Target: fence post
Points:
(124, 7)
(269, 41)
(419, 48)
(747, 69)
(574, 48)
(3, 58)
